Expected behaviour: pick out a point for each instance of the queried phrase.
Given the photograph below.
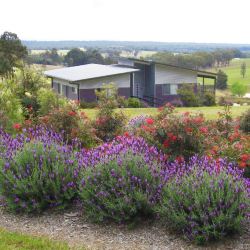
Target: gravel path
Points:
(69, 226)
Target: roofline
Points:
(171, 65)
(91, 78)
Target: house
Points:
(153, 82)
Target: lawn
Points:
(209, 112)
(18, 241)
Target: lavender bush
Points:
(205, 200)
(36, 171)
(136, 123)
(122, 181)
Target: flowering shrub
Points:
(177, 135)
(36, 172)
(206, 199)
(121, 181)
(245, 122)
(120, 189)
(72, 123)
(135, 123)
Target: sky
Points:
(209, 21)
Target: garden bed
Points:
(71, 227)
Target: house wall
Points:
(162, 99)
(66, 88)
(87, 95)
(122, 81)
(165, 74)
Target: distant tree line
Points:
(135, 46)
(74, 57)
(201, 59)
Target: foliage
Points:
(31, 80)
(49, 100)
(122, 101)
(206, 200)
(208, 99)
(10, 105)
(177, 135)
(135, 123)
(238, 89)
(188, 96)
(198, 59)
(37, 174)
(12, 52)
(108, 123)
(181, 136)
(134, 102)
(221, 80)
(88, 105)
(77, 56)
(73, 124)
(121, 181)
(243, 69)
(49, 57)
(245, 122)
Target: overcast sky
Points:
(222, 21)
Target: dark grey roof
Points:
(199, 72)
(87, 71)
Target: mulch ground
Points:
(71, 227)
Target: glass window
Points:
(166, 89)
(173, 89)
(169, 89)
(74, 90)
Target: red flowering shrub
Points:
(181, 136)
(17, 126)
(108, 123)
(177, 135)
(73, 123)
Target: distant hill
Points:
(128, 45)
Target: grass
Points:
(209, 112)
(18, 241)
(233, 71)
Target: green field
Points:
(209, 112)
(233, 71)
(18, 241)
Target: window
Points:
(166, 89)
(169, 89)
(74, 90)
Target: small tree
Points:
(239, 89)
(221, 80)
(243, 69)
(12, 52)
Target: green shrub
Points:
(39, 176)
(49, 100)
(72, 123)
(205, 201)
(134, 102)
(120, 190)
(245, 122)
(122, 102)
(88, 105)
(108, 123)
(10, 106)
(188, 96)
(239, 89)
(208, 99)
